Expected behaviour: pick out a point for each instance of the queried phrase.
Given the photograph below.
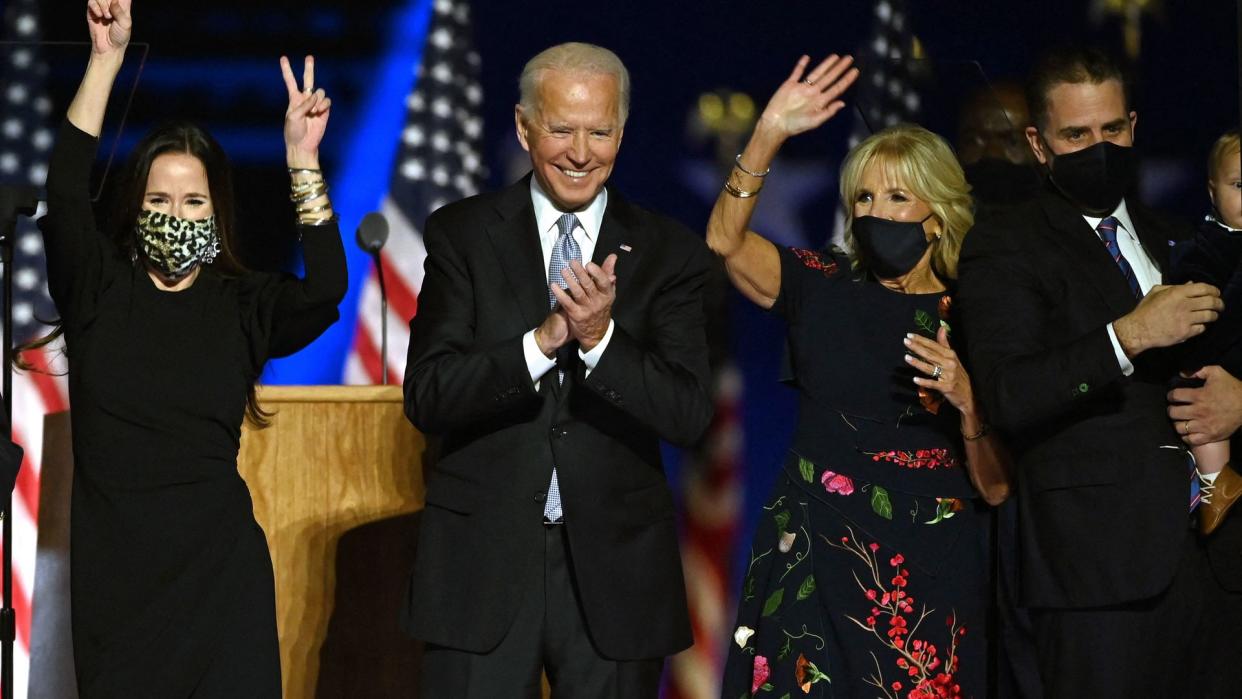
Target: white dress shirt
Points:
(1145, 270)
(586, 233)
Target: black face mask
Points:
(1097, 177)
(890, 249)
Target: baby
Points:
(1214, 256)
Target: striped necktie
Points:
(564, 251)
(1107, 230)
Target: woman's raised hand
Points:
(804, 102)
(306, 119)
(110, 24)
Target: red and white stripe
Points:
(35, 394)
(713, 502)
(402, 258)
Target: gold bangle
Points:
(305, 171)
(739, 193)
(737, 162)
(983, 431)
(309, 195)
(317, 209)
(318, 221)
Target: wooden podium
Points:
(337, 481)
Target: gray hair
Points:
(574, 57)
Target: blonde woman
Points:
(868, 573)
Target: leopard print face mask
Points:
(174, 246)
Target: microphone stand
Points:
(379, 269)
(14, 201)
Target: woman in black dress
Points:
(172, 585)
(868, 573)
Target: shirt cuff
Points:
(537, 363)
(590, 359)
(1127, 367)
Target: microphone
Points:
(372, 232)
(371, 235)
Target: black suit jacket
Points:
(481, 540)
(1103, 483)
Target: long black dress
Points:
(868, 571)
(172, 586)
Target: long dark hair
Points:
(130, 189)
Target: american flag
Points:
(25, 141)
(438, 162)
(712, 499)
(886, 92)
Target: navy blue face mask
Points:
(890, 249)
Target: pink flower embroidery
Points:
(761, 673)
(836, 483)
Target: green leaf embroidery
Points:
(767, 687)
(782, 520)
(808, 470)
(944, 510)
(748, 590)
(880, 502)
(785, 696)
(774, 602)
(807, 588)
(925, 322)
(785, 650)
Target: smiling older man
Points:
(560, 335)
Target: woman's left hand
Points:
(306, 119)
(953, 383)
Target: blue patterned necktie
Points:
(1107, 231)
(564, 251)
(1196, 496)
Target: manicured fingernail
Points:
(909, 358)
(907, 341)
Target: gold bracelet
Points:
(304, 212)
(305, 171)
(308, 195)
(739, 193)
(983, 431)
(737, 162)
(318, 221)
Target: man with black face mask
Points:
(1069, 328)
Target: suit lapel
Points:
(516, 243)
(618, 235)
(1151, 234)
(1086, 255)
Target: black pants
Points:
(549, 634)
(1171, 645)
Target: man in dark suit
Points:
(1067, 324)
(548, 541)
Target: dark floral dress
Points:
(868, 571)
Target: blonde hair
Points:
(574, 57)
(1226, 145)
(923, 163)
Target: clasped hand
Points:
(583, 307)
(951, 380)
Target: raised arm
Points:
(110, 25)
(801, 103)
(306, 307)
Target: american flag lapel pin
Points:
(625, 247)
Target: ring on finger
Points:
(1186, 427)
(808, 81)
(937, 371)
